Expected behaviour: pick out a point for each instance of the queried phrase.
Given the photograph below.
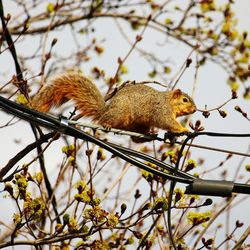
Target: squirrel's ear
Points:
(176, 93)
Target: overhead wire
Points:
(176, 175)
(61, 125)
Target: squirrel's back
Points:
(137, 105)
(71, 86)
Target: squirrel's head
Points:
(182, 103)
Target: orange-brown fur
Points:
(137, 108)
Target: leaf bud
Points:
(206, 114)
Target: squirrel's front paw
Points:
(185, 130)
(107, 126)
(182, 131)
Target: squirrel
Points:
(135, 107)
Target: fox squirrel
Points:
(136, 107)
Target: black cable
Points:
(176, 176)
(62, 127)
(57, 122)
(82, 135)
(32, 112)
(151, 159)
(27, 114)
(69, 130)
(241, 188)
(214, 134)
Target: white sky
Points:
(210, 78)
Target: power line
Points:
(195, 185)
(129, 155)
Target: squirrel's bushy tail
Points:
(71, 86)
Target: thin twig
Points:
(122, 61)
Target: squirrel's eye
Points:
(185, 99)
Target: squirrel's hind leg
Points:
(110, 121)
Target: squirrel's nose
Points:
(194, 109)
